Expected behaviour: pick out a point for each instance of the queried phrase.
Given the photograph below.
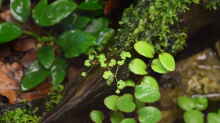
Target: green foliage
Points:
(19, 115)
(193, 116)
(46, 56)
(75, 42)
(91, 5)
(144, 49)
(167, 61)
(126, 103)
(20, 9)
(97, 116)
(158, 67)
(213, 4)
(138, 67)
(148, 90)
(48, 15)
(128, 120)
(213, 117)
(116, 117)
(111, 102)
(149, 115)
(9, 32)
(34, 76)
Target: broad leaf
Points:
(9, 32)
(185, 103)
(128, 120)
(193, 116)
(201, 103)
(156, 66)
(96, 116)
(48, 15)
(111, 101)
(144, 49)
(116, 117)
(75, 42)
(126, 103)
(97, 25)
(91, 5)
(20, 9)
(58, 71)
(149, 115)
(138, 66)
(167, 61)
(46, 56)
(148, 90)
(34, 76)
(213, 118)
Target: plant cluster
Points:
(193, 108)
(19, 115)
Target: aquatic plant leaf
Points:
(185, 103)
(156, 66)
(48, 15)
(149, 114)
(213, 117)
(111, 101)
(125, 103)
(147, 91)
(167, 60)
(9, 32)
(58, 71)
(201, 103)
(128, 120)
(34, 76)
(75, 42)
(91, 5)
(46, 56)
(96, 116)
(145, 49)
(138, 66)
(193, 116)
(116, 117)
(20, 9)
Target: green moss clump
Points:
(19, 115)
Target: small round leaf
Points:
(128, 120)
(111, 101)
(96, 116)
(201, 103)
(138, 66)
(144, 49)
(167, 61)
(149, 115)
(156, 66)
(125, 103)
(213, 118)
(185, 103)
(193, 116)
(116, 117)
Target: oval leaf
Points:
(48, 15)
(46, 56)
(20, 9)
(111, 101)
(185, 103)
(9, 32)
(147, 91)
(156, 66)
(213, 118)
(138, 66)
(145, 49)
(96, 116)
(149, 115)
(128, 120)
(167, 61)
(125, 103)
(116, 117)
(34, 76)
(58, 71)
(75, 42)
(193, 116)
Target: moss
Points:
(19, 115)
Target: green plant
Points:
(97, 116)
(19, 115)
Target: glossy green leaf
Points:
(9, 32)
(116, 117)
(126, 103)
(149, 115)
(167, 60)
(97, 25)
(75, 42)
(213, 118)
(156, 66)
(144, 49)
(48, 15)
(20, 9)
(34, 76)
(185, 103)
(91, 5)
(147, 91)
(46, 56)
(96, 116)
(58, 71)
(128, 120)
(81, 22)
(111, 101)
(201, 103)
(138, 66)
(193, 116)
